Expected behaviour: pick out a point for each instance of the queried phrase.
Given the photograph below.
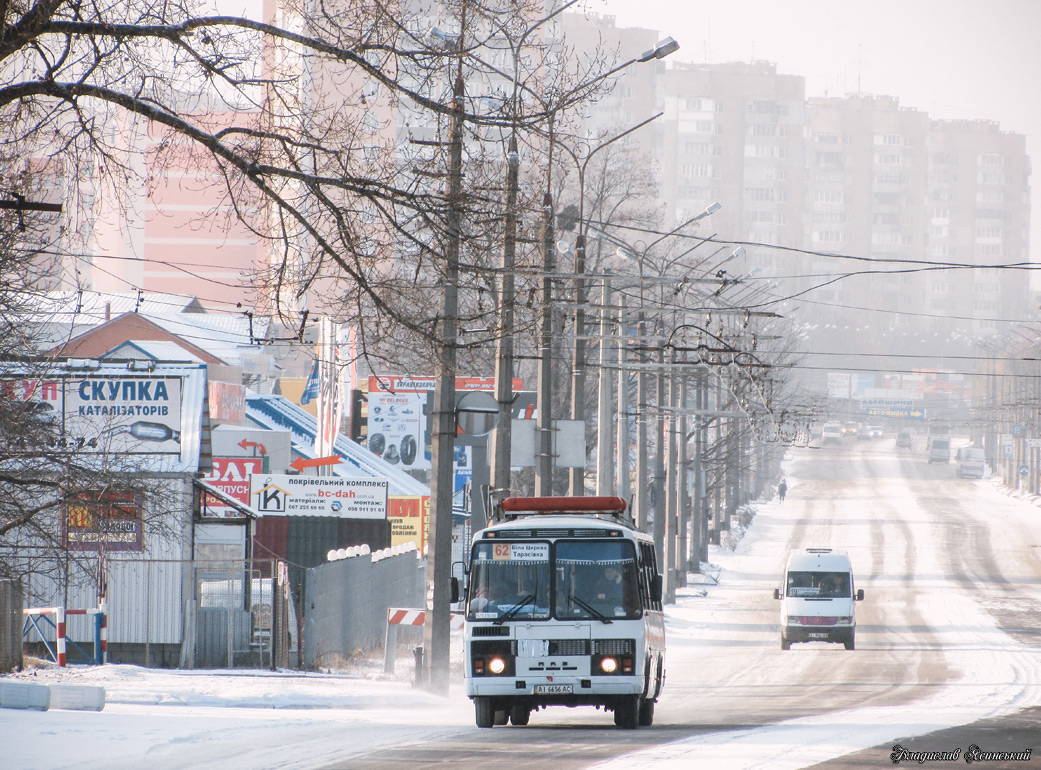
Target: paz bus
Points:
(563, 608)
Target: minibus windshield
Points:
(822, 585)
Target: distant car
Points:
(940, 449)
(876, 431)
(863, 433)
(971, 463)
(831, 433)
(903, 439)
(849, 429)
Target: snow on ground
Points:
(167, 720)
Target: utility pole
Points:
(502, 437)
(682, 490)
(643, 503)
(544, 428)
(660, 507)
(577, 475)
(622, 442)
(436, 631)
(669, 508)
(604, 433)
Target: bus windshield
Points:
(596, 579)
(509, 580)
(589, 579)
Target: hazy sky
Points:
(949, 58)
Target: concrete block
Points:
(77, 697)
(22, 695)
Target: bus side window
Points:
(648, 574)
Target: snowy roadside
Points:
(171, 719)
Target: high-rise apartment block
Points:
(848, 196)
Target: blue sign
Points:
(1024, 471)
(886, 411)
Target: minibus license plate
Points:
(553, 689)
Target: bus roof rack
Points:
(515, 507)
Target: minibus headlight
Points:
(496, 665)
(608, 665)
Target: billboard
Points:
(409, 517)
(231, 476)
(280, 494)
(105, 413)
(398, 419)
(105, 520)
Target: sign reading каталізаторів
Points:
(285, 495)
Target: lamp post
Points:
(576, 486)
(544, 428)
(642, 505)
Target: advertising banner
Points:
(397, 428)
(397, 422)
(129, 415)
(227, 401)
(106, 520)
(231, 476)
(409, 517)
(346, 498)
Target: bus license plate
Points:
(553, 689)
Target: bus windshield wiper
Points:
(592, 611)
(517, 608)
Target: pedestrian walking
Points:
(782, 489)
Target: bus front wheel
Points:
(646, 713)
(627, 712)
(484, 712)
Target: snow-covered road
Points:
(953, 593)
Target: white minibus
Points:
(563, 608)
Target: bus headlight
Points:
(617, 665)
(496, 665)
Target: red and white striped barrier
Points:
(60, 613)
(103, 632)
(408, 617)
(61, 636)
(405, 616)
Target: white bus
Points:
(563, 608)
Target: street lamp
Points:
(544, 458)
(576, 486)
(642, 440)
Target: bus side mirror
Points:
(656, 588)
(777, 593)
(860, 594)
(455, 591)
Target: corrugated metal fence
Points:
(10, 626)
(347, 602)
(235, 613)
